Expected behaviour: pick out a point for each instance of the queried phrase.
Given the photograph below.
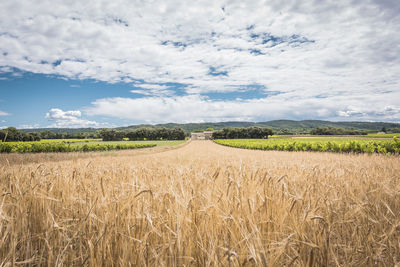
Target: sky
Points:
(115, 63)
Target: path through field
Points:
(203, 204)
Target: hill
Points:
(291, 125)
(277, 125)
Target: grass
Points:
(202, 205)
(384, 135)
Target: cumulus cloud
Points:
(197, 108)
(303, 49)
(379, 113)
(68, 119)
(3, 113)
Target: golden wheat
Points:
(201, 205)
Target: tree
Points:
(111, 135)
(3, 136)
(336, 131)
(243, 133)
(156, 134)
(11, 134)
(47, 135)
(177, 134)
(285, 132)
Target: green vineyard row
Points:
(341, 146)
(36, 147)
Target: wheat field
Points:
(201, 204)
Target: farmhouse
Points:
(206, 135)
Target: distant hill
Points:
(277, 125)
(291, 125)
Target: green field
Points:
(368, 136)
(38, 147)
(79, 145)
(384, 135)
(68, 140)
(341, 145)
(158, 143)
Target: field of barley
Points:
(199, 204)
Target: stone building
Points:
(206, 135)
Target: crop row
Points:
(72, 140)
(67, 141)
(340, 146)
(36, 147)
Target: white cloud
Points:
(141, 92)
(196, 108)
(304, 49)
(153, 86)
(379, 113)
(29, 126)
(68, 119)
(153, 90)
(58, 114)
(3, 113)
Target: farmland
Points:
(201, 204)
(367, 136)
(37, 147)
(156, 142)
(321, 144)
(76, 145)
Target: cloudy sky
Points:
(109, 63)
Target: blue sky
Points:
(106, 64)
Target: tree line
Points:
(64, 135)
(11, 134)
(336, 131)
(243, 133)
(140, 134)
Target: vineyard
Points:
(36, 147)
(340, 145)
(72, 140)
